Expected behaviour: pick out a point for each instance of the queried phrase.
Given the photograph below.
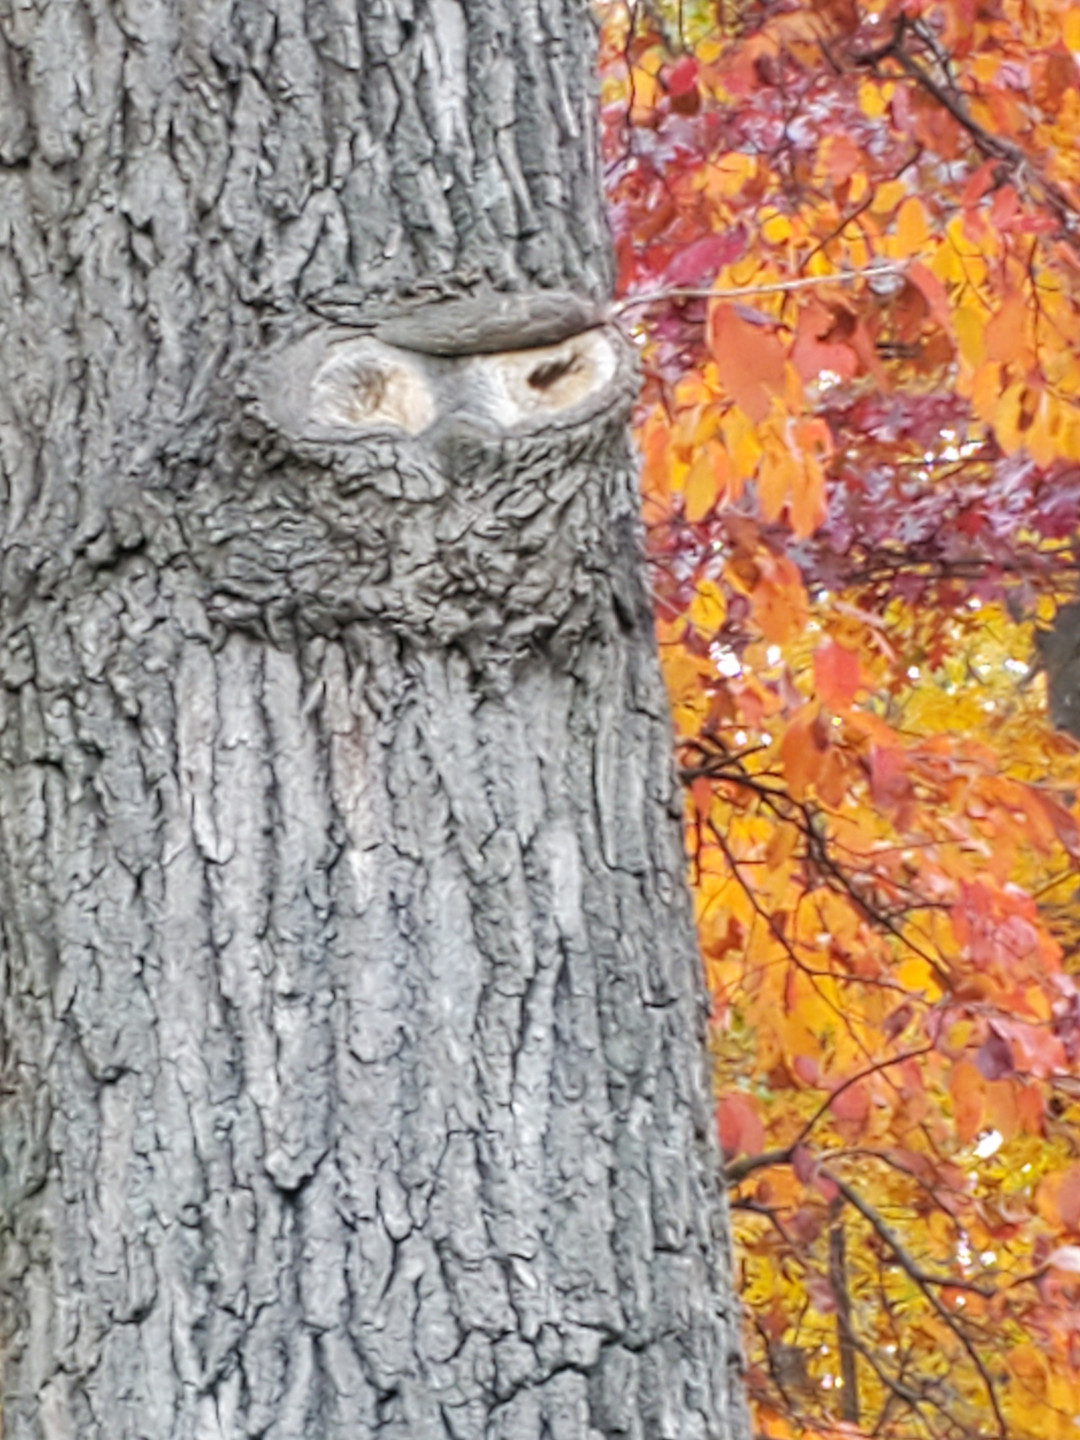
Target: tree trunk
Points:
(351, 1066)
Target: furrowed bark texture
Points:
(351, 1079)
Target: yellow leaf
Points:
(705, 483)
(874, 98)
(912, 231)
(741, 441)
(646, 91)
(724, 180)
(808, 507)
(970, 325)
(777, 229)
(777, 476)
(708, 607)
(1028, 1365)
(888, 195)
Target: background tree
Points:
(351, 1075)
(862, 482)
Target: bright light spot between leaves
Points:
(772, 654)
(988, 1257)
(727, 662)
(913, 672)
(740, 737)
(988, 1144)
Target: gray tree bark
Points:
(351, 1066)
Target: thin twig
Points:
(692, 292)
(925, 1283)
(845, 1335)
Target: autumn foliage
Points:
(862, 486)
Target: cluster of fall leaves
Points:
(848, 240)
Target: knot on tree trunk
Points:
(455, 497)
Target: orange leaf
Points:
(701, 794)
(821, 344)
(749, 360)
(1029, 1110)
(778, 600)
(802, 751)
(1068, 1198)
(934, 293)
(1004, 334)
(836, 675)
(889, 782)
(968, 1091)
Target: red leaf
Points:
(682, 77)
(804, 1164)
(826, 1188)
(741, 1130)
(897, 1021)
(994, 1058)
(1004, 207)
(851, 1110)
(698, 262)
(981, 181)
(820, 1294)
